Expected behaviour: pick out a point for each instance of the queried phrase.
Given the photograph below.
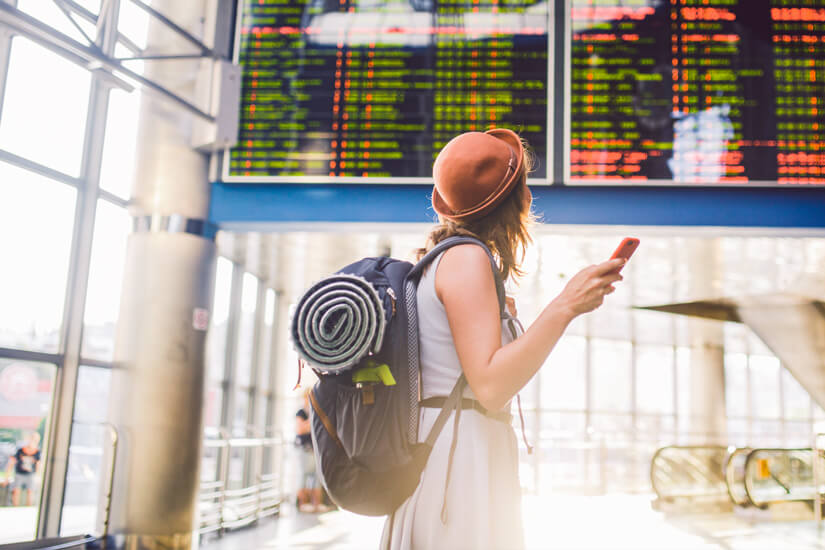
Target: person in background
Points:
(26, 463)
(309, 495)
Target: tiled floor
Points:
(611, 522)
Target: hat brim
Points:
(514, 142)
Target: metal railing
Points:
(233, 501)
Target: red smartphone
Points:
(625, 249)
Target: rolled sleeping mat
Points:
(337, 322)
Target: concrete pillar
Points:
(707, 390)
(708, 415)
(158, 383)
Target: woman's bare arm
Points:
(464, 283)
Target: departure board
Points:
(341, 90)
(711, 92)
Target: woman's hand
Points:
(587, 289)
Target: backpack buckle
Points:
(367, 393)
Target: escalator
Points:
(735, 476)
(711, 479)
(781, 476)
(690, 479)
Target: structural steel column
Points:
(159, 375)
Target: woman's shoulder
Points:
(465, 267)
(466, 256)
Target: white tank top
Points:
(440, 366)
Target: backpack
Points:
(365, 407)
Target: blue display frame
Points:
(235, 206)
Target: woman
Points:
(480, 190)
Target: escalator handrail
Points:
(680, 448)
(730, 481)
(749, 482)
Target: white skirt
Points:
(483, 507)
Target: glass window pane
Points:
(261, 419)
(735, 335)
(765, 386)
(655, 426)
(766, 433)
(91, 5)
(216, 339)
(611, 322)
(33, 280)
(35, 123)
(610, 367)
(266, 362)
(563, 424)
(212, 405)
(216, 343)
(246, 330)
(652, 327)
(53, 16)
(117, 170)
(562, 377)
(738, 433)
(736, 384)
(683, 389)
(798, 433)
(613, 424)
(239, 418)
(88, 467)
(654, 379)
(133, 23)
(25, 402)
(112, 227)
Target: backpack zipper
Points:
(391, 294)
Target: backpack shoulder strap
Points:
(411, 314)
(450, 242)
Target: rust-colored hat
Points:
(475, 171)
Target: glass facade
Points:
(33, 293)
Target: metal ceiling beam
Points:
(37, 168)
(87, 15)
(205, 50)
(89, 56)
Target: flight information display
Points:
(707, 92)
(339, 90)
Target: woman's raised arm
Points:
(464, 284)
